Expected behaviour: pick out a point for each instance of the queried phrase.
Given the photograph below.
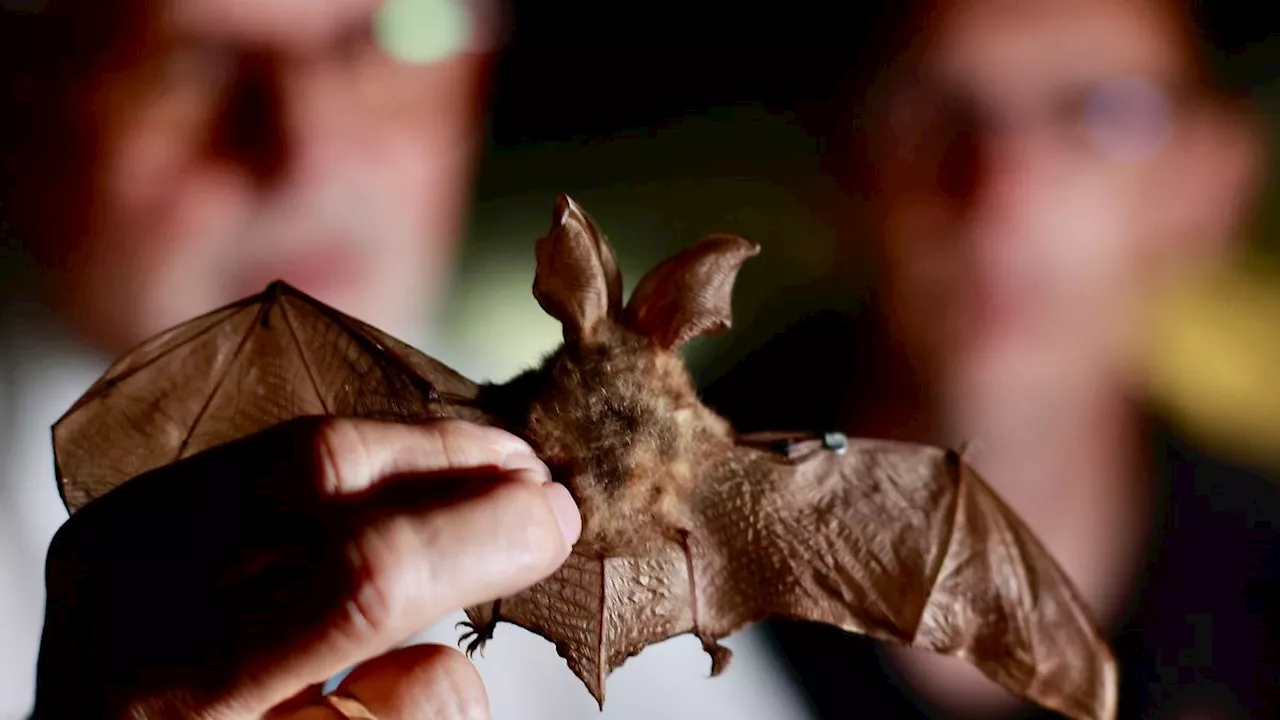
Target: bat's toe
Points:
(475, 637)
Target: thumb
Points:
(423, 682)
(407, 562)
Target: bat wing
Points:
(903, 543)
(266, 359)
(600, 611)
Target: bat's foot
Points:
(720, 655)
(476, 636)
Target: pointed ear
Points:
(578, 282)
(689, 294)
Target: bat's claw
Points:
(720, 655)
(475, 637)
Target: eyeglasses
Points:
(1119, 120)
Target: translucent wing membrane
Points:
(238, 370)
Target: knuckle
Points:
(378, 583)
(340, 451)
(456, 441)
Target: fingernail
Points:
(519, 461)
(566, 511)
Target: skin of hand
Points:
(233, 583)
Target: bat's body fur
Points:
(619, 422)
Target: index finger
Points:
(354, 454)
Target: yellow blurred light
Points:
(1215, 363)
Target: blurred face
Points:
(1037, 167)
(231, 143)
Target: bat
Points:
(688, 526)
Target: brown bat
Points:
(688, 527)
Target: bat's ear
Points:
(689, 294)
(578, 281)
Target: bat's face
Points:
(613, 411)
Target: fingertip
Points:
(419, 681)
(536, 524)
(568, 516)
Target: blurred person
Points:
(1027, 178)
(164, 158)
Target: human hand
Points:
(233, 583)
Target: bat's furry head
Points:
(613, 410)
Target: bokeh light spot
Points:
(422, 31)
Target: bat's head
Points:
(615, 413)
